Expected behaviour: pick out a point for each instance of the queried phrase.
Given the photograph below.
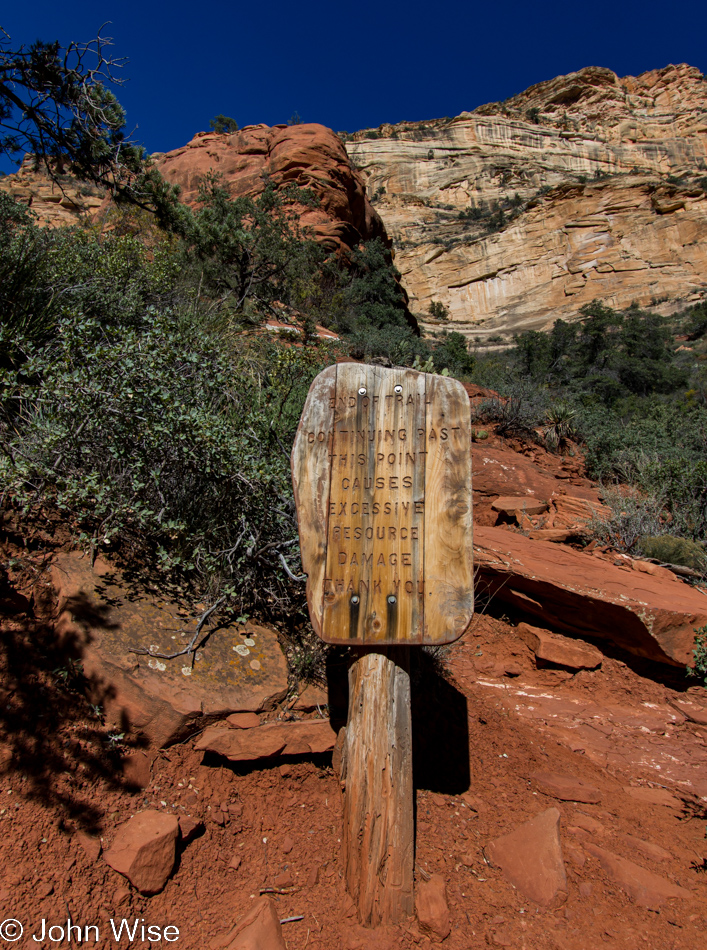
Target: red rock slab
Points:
(144, 850)
(276, 738)
(431, 907)
(103, 619)
(575, 592)
(654, 796)
(531, 858)
(647, 848)
(690, 710)
(498, 470)
(308, 155)
(260, 929)
(517, 506)
(566, 788)
(243, 720)
(559, 650)
(644, 887)
(311, 698)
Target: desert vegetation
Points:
(631, 388)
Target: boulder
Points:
(644, 887)
(260, 929)
(144, 850)
(558, 650)
(583, 595)
(101, 618)
(308, 155)
(565, 788)
(531, 858)
(431, 907)
(275, 738)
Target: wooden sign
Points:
(381, 468)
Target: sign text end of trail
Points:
(381, 468)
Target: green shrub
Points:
(700, 654)
(223, 124)
(634, 518)
(673, 550)
(156, 438)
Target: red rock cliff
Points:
(310, 156)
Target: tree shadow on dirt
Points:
(52, 740)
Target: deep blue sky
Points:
(352, 65)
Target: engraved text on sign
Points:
(382, 474)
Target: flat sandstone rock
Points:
(531, 858)
(566, 788)
(583, 595)
(105, 618)
(275, 738)
(558, 650)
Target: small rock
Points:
(258, 930)
(431, 907)
(587, 823)
(311, 698)
(217, 816)
(566, 788)
(691, 711)
(285, 879)
(654, 796)
(585, 889)
(287, 844)
(244, 720)
(286, 738)
(313, 876)
(144, 850)
(235, 862)
(531, 858)
(517, 507)
(189, 828)
(647, 848)
(575, 856)
(44, 889)
(467, 859)
(475, 803)
(644, 887)
(562, 651)
(90, 845)
(285, 770)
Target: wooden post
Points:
(376, 772)
(381, 469)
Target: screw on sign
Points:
(381, 468)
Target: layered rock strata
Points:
(600, 181)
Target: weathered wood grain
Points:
(374, 569)
(382, 463)
(449, 571)
(376, 772)
(311, 479)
